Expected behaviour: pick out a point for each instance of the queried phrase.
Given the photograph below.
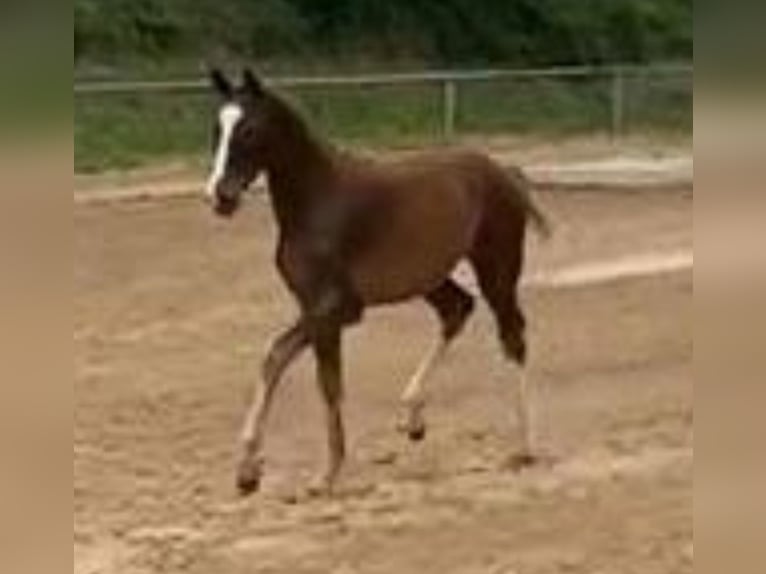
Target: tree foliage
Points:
(433, 32)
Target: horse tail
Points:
(521, 187)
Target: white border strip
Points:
(594, 273)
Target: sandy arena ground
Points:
(174, 308)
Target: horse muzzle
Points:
(226, 206)
(224, 198)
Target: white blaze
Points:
(228, 118)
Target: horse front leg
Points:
(327, 349)
(285, 349)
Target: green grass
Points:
(121, 132)
(666, 103)
(387, 115)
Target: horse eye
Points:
(248, 131)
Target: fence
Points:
(123, 123)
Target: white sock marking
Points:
(228, 118)
(524, 413)
(413, 395)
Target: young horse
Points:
(355, 233)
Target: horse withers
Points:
(355, 233)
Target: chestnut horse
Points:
(355, 233)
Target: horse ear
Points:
(220, 83)
(251, 82)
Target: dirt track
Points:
(173, 309)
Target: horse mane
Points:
(293, 127)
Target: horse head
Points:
(242, 133)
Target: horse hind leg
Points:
(498, 262)
(512, 328)
(453, 306)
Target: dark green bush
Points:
(132, 33)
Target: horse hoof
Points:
(520, 461)
(248, 485)
(249, 478)
(413, 425)
(417, 434)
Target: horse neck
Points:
(300, 168)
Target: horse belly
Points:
(416, 252)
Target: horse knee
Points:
(270, 369)
(282, 352)
(333, 309)
(275, 364)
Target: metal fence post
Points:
(450, 108)
(618, 102)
